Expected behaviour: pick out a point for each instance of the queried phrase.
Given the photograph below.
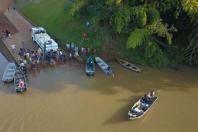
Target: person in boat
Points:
(21, 83)
(108, 68)
(145, 105)
(22, 67)
(148, 98)
(21, 64)
(137, 111)
(89, 63)
(152, 94)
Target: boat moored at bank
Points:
(104, 66)
(9, 73)
(90, 67)
(20, 83)
(128, 65)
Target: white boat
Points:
(128, 65)
(140, 108)
(9, 73)
(103, 66)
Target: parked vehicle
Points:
(43, 40)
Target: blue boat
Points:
(90, 67)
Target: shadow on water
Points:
(54, 79)
(121, 115)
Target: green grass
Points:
(54, 16)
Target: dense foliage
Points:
(161, 30)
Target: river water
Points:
(64, 99)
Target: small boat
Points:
(9, 73)
(103, 66)
(141, 107)
(128, 65)
(20, 85)
(90, 67)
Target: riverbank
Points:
(57, 19)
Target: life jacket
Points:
(21, 84)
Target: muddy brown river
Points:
(64, 99)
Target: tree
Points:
(146, 24)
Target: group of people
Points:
(148, 98)
(33, 58)
(74, 50)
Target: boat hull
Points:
(9, 73)
(128, 65)
(104, 66)
(133, 116)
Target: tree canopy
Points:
(144, 25)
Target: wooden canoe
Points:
(128, 65)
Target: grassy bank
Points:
(55, 17)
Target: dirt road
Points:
(23, 31)
(4, 4)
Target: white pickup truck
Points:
(44, 41)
